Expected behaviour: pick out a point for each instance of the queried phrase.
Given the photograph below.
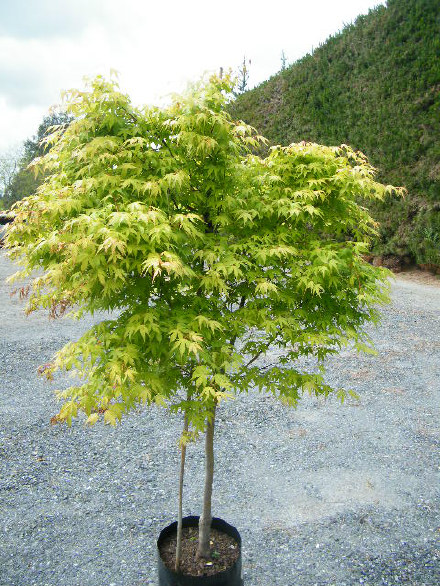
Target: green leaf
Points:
(109, 417)
(92, 419)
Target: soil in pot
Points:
(224, 553)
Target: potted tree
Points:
(209, 255)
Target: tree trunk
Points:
(206, 517)
(179, 516)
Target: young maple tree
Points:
(208, 256)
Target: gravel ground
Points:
(325, 494)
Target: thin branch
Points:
(268, 366)
(132, 116)
(242, 302)
(206, 517)
(164, 142)
(182, 471)
(172, 199)
(258, 354)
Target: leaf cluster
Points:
(207, 255)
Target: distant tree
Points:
(283, 60)
(9, 163)
(243, 76)
(23, 182)
(36, 146)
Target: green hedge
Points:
(376, 87)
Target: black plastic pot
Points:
(229, 577)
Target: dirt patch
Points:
(224, 553)
(419, 276)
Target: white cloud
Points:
(18, 124)
(156, 46)
(43, 19)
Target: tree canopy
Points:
(208, 255)
(22, 181)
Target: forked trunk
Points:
(179, 516)
(206, 517)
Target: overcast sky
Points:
(47, 46)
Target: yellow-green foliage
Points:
(208, 255)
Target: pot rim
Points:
(193, 521)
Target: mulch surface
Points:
(224, 553)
